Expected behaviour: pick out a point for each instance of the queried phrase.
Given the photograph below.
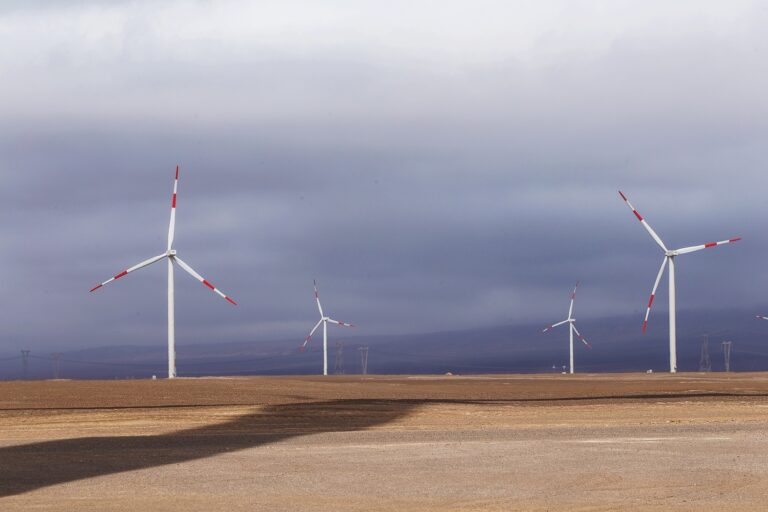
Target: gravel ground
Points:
(584, 442)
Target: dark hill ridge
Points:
(618, 346)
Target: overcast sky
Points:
(433, 164)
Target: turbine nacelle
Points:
(171, 252)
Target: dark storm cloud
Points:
(433, 171)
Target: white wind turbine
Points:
(571, 326)
(669, 259)
(173, 258)
(323, 320)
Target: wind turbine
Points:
(323, 320)
(571, 326)
(173, 258)
(669, 259)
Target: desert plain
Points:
(381, 443)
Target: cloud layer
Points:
(434, 165)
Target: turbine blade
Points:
(653, 293)
(686, 250)
(317, 299)
(339, 323)
(573, 297)
(580, 336)
(200, 278)
(129, 270)
(555, 325)
(644, 223)
(306, 340)
(172, 225)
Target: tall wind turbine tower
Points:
(669, 259)
(173, 259)
(324, 319)
(571, 326)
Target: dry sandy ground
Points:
(586, 442)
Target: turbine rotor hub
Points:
(171, 252)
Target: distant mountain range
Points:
(618, 346)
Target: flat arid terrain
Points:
(405, 443)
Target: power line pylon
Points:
(338, 367)
(56, 365)
(705, 363)
(24, 364)
(727, 355)
(363, 360)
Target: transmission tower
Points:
(338, 368)
(705, 363)
(727, 355)
(363, 360)
(24, 364)
(56, 365)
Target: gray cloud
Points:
(443, 168)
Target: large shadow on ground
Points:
(33, 466)
(28, 467)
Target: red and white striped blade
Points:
(580, 336)
(309, 337)
(317, 299)
(762, 317)
(695, 248)
(129, 270)
(573, 298)
(550, 327)
(200, 278)
(339, 323)
(653, 293)
(172, 225)
(643, 222)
